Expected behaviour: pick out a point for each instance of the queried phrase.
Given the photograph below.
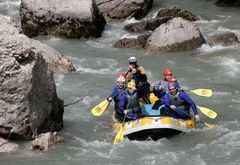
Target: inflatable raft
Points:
(154, 126)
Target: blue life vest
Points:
(178, 102)
(132, 100)
(133, 104)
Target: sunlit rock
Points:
(7, 147)
(175, 35)
(124, 9)
(45, 141)
(63, 18)
(13, 43)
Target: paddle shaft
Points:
(73, 102)
(124, 118)
(123, 88)
(199, 92)
(208, 125)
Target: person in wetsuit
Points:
(129, 104)
(178, 103)
(138, 74)
(117, 92)
(160, 88)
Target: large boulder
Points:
(7, 147)
(177, 12)
(124, 9)
(63, 18)
(13, 41)
(162, 17)
(45, 141)
(28, 100)
(225, 39)
(175, 35)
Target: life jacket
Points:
(132, 102)
(179, 103)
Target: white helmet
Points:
(132, 59)
(121, 79)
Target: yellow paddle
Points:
(103, 106)
(202, 92)
(100, 108)
(119, 137)
(208, 125)
(208, 112)
(199, 92)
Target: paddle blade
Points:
(117, 127)
(100, 108)
(119, 137)
(208, 112)
(209, 125)
(203, 92)
(151, 97)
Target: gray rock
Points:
(176, 35)
(63, 18)
(28, 101)
(147, 25)
(226, 39)
(13, 43)
(124, 9)
(177, 12)
(138, 42)
(7, 147)
(46, 140)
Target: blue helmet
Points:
(172, 85)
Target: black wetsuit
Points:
(142, 84)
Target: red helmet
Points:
(172, 79)
(121, 74)
(167, 72)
